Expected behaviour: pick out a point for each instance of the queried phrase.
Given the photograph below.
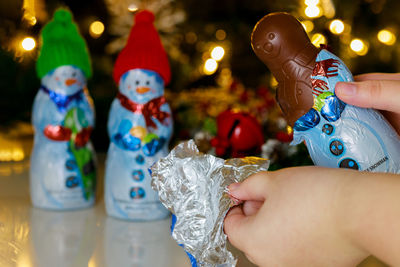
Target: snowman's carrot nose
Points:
(142, 90)
(70, 82)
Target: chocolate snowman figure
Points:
(336, 134)
(62, 169)
(139, 124)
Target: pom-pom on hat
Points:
(62, 45)
(143, 50)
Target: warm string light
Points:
(218, 53)
(308, 25)
(386, 37)
(210, 66)
(311, 2)
(317, 39)
(28, 43)
(336, 26)
(96, 29)
(29, 12)
(13, 154)
(220, 35)
(359, 47)
(328, 8)
(132, 8)
(312, 9)
(191, 37)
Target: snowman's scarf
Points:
(62, 101)
(148, 110)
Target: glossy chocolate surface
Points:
(280, 41)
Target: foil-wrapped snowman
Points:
(62, 172)
(336, 134)
(139, 124)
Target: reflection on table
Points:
(31, 237)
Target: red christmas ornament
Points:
(284, 137)
(244, 97)
(239, 134)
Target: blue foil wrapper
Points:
(345, 136)
(63, 169)
(139, 126)
(307, 121)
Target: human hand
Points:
(374, 90)
(290, 218)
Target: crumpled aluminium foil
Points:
(193, 186)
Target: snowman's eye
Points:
(73, 74)
(147, 82)
(271, 35)
(137, 82)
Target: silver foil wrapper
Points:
(193, 186)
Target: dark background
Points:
(19, 83)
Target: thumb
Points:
(238, 225)
(377, 94)
(238, 228)
(253, 188)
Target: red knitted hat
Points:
(143, 50)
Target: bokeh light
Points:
(311, 2)
(218, 53)
(96, 29)
(28, 43)
(13, 154)
(386, 37)
(289, 129)
(220, 35)
(210, 66)
(31, 20)
(132, 8)
(317, 39)
(313, 11)
(191, 37)
(359, 47)
(308, 25)
(273, 82)
(336, 26)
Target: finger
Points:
(251, 207)
(378, 94)
(253, 188)
(377, 76)
(237, 227)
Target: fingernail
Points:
(347, 89)
(233, 187)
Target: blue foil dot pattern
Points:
(138, 175)
(137, 193)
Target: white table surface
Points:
(31, 237)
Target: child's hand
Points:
(374, 90)
(313, 216)
(290, 218)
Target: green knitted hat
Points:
(62, 45)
